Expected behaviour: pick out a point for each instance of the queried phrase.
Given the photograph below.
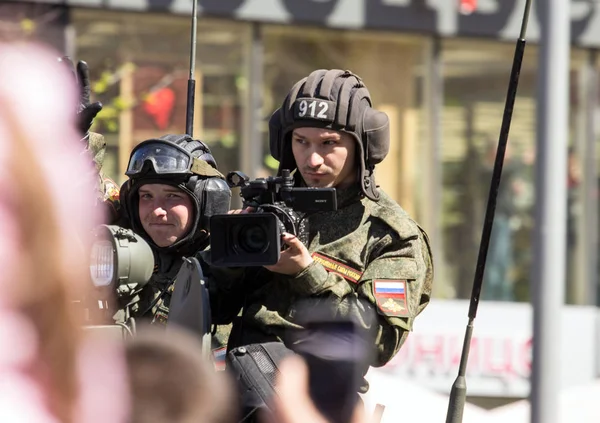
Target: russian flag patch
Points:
(390, 296)
(219, 356)
(395, 287)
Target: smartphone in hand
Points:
(338, 351)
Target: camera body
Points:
(254, 239)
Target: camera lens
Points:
(253, 239)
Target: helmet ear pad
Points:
(375, 145)
(275, 134)
(211, 195)
(130, 205)
(124, 218)
(375, 136)
(281, 151)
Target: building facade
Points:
(440, 75)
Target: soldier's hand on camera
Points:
(293, 259)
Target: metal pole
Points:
(433, 86)
(590, 181)
(551, 200)
(191, 88)
(256, 98)
(458, 393)
(252, 146)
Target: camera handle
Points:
(236, 179)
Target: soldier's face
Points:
(325, 158)
(166, 213)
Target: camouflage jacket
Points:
(155, 300)
(107, 190)
(373, 251)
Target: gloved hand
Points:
(86, 110)
(94, 144)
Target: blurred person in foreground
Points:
(171, 381)
(293, 403)
(51, 372)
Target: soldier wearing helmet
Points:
(369, 248)
(173, 188)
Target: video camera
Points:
(254, 239)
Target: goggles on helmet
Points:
(165, 158)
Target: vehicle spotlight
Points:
(120, 259)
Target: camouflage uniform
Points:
(154, 300)
(156, 297)
(374, 242)
(107, 189)
(368, 249)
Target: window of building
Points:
(43, 23)
(139, 65)
(476, 75)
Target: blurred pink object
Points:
(38, 93)
(104, 394)
(21, 399)
(37, 107)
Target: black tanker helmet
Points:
(185, 163)
(337, 100)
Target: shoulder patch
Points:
(334, 266)
(390, 296)
(219, 357)
(111, 190)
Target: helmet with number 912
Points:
(337, 100)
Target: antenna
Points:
(458, 394)
(191, 88)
